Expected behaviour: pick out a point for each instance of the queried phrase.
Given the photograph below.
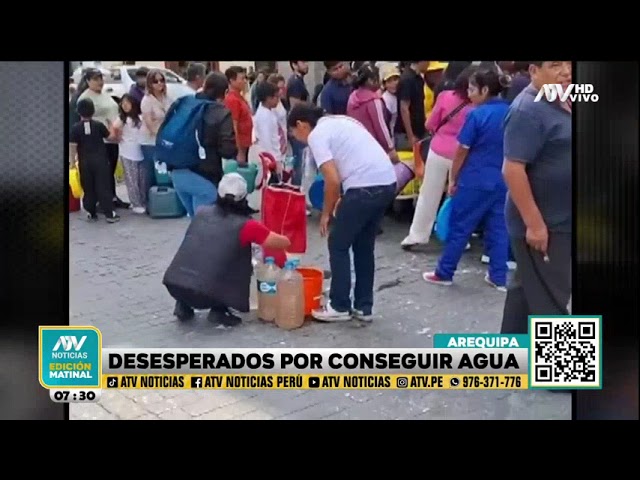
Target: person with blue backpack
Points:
(196, 135)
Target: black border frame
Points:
(606, 277)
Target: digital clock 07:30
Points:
(75, 395)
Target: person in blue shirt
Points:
(297, 93)
(476, 185)
(335, 94)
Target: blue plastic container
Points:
(442, 220)
(316, 193)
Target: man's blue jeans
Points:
(296, 151)
(355, 227)
(194, 190)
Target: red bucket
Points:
(313, 279)
(74, 203)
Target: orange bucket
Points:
(313, 282)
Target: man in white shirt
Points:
(280, 110)
(349, 157)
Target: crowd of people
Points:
(503, 158)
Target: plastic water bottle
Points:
(288, 162)
(290, 310)
(268, 276)
(161, 167)
(256, 255)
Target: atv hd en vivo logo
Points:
(574, 92)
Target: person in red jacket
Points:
(240, 111)
(234, 191)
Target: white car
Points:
(119, 79)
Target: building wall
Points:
(153, 64)
(316, 69)
(246, 64)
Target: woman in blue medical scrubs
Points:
(476, 183)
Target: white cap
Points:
(233, 184)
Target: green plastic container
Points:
(249, 173)
(165, 203)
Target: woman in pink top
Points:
(445, 122)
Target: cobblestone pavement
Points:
(116, 273)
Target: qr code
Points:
(565, 352)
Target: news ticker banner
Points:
(559, 353)
(317, 382)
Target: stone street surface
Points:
(115, 283)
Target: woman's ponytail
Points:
(505, 81)
(366, 72)
(495, 82)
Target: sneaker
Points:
(361, 316)
(183, 312)
(139, 210)
(113, 218)
(407, 244)
(484, 259)
(328, 314)
(117, 203)
(431, 277)
(500, 288)
(308, 213)
(511, 265)
(92, 217)
(468, 247)
(226, 319)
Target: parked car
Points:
(118, 81)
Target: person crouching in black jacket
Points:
(197, 186)
(219, 278)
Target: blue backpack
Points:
(177, 141)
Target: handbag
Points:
(421, 148)
(284, 211)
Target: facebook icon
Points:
(196, 382)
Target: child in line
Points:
(265, 121)
(127, 128)
(88, 151)
(390, 77)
